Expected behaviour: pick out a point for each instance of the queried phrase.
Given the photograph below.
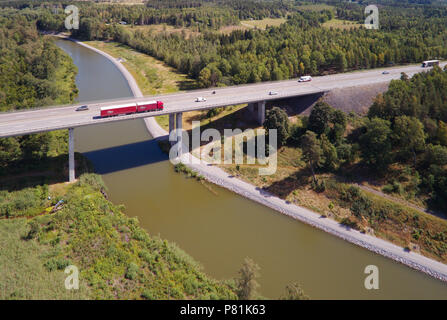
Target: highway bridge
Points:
(255, 95)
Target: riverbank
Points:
(382, 247)
(130, 80)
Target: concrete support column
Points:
(171, 124)
(251, 107)
(71, 158)
(261, 112)
(179, 126)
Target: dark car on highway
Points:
(82, 108)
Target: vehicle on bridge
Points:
(131, 108)
(82, 108)
(430, 63)
(305, 79)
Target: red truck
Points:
(146, 106)
(131, 108)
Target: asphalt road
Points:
(54, 118)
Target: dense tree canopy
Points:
(33, 73)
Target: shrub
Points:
(148, 295)
(349, 223)
(34, 230)
(362, 206)
(57, 264)
(132, 271)
(213, 112)
(93, 180)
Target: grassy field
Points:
(116, 258)
(24, 275)
(164, 28)
(153, 76)
(341, 24)
(262, 24)
(230, 29)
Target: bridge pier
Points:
(258, 110)
(71, 158)
(261, 112)
(172, 124)
(179, 126)
(251, 107)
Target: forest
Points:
(408, 33)
(33, 73)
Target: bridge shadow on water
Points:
(125, 157)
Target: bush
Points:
(362, 207)
(93, 180)
(395, 187)
(213, 112)
(350, 223)
(350, 194)
(319, 186)
(148, 295)
(57, 264)
(132, 271)
(34, 230)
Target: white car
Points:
(273, 93)
(305, 79)
(200, 99)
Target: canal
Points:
(216, 227)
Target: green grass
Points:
(23, 275)
(116, 258)
(262, 24)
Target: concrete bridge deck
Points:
(65, 117)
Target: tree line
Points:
(298, 47)
(34, 72)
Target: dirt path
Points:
(401, 201)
